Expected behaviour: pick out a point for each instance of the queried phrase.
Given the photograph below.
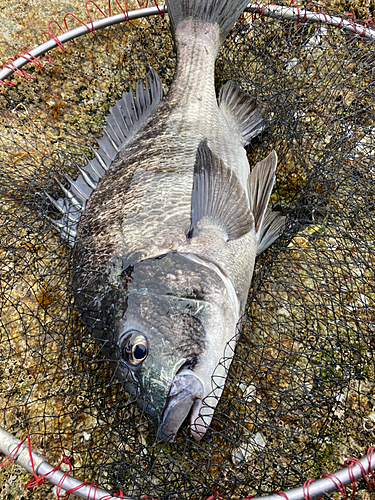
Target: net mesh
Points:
(299, 398)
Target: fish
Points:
(166, 220)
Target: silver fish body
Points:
(167, 241)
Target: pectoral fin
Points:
(268, 224)
(217, 197)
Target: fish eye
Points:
(134, 348)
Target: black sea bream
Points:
(166, 222)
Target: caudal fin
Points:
(221, 12)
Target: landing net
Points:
(300, 395)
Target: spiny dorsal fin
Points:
(268, 224)
(218, 197)
(241, 111)
(125, 118)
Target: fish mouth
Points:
(184, 397)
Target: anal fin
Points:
(268, 224)
(272, 227)
(217, 197)
(241, 111)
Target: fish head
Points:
(172, 340)
(159, 338)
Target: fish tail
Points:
(224, 13)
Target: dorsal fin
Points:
(241, 111)
(268, 224)
(125, 118)
(217, 197)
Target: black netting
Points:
(299, 397)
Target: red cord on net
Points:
(12, 455)
(161, 11)
(29, 57)
(339, 485)
(261, 9)
(351, 21)
(51, 34)
(92, 29)
(306, 489)
(216, 496)
(260, 12)
(5, 82)
(59, 485)
(93, 487)
(365, 26)
(369, 476)
(297, 8)
(282, 494)
(16, 70)
(305, 11)
(125, 12)
(369, 454)
(37, 480)
(40, 479)
(99, 9)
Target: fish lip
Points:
(185, 394)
